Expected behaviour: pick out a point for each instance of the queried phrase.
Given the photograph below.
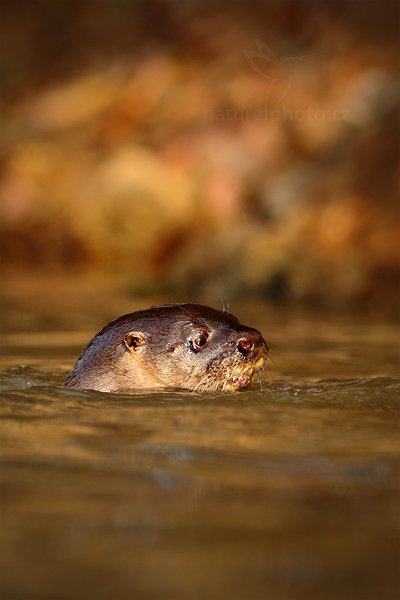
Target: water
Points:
(286, 491)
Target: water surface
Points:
(289, 490)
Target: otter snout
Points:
(250, 342)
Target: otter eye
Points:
(199, 341)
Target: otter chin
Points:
(175, 346)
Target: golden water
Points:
(289, 490)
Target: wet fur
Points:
(165, 359)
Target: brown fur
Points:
(167, 347)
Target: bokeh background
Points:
(214, 148)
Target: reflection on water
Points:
(286, 491)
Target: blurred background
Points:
(203, 149)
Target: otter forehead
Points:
(165, 317)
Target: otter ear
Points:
(134, 340)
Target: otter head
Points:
(185, 346)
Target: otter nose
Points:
(245, 346)
(248, 341)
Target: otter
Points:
(178, 346)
